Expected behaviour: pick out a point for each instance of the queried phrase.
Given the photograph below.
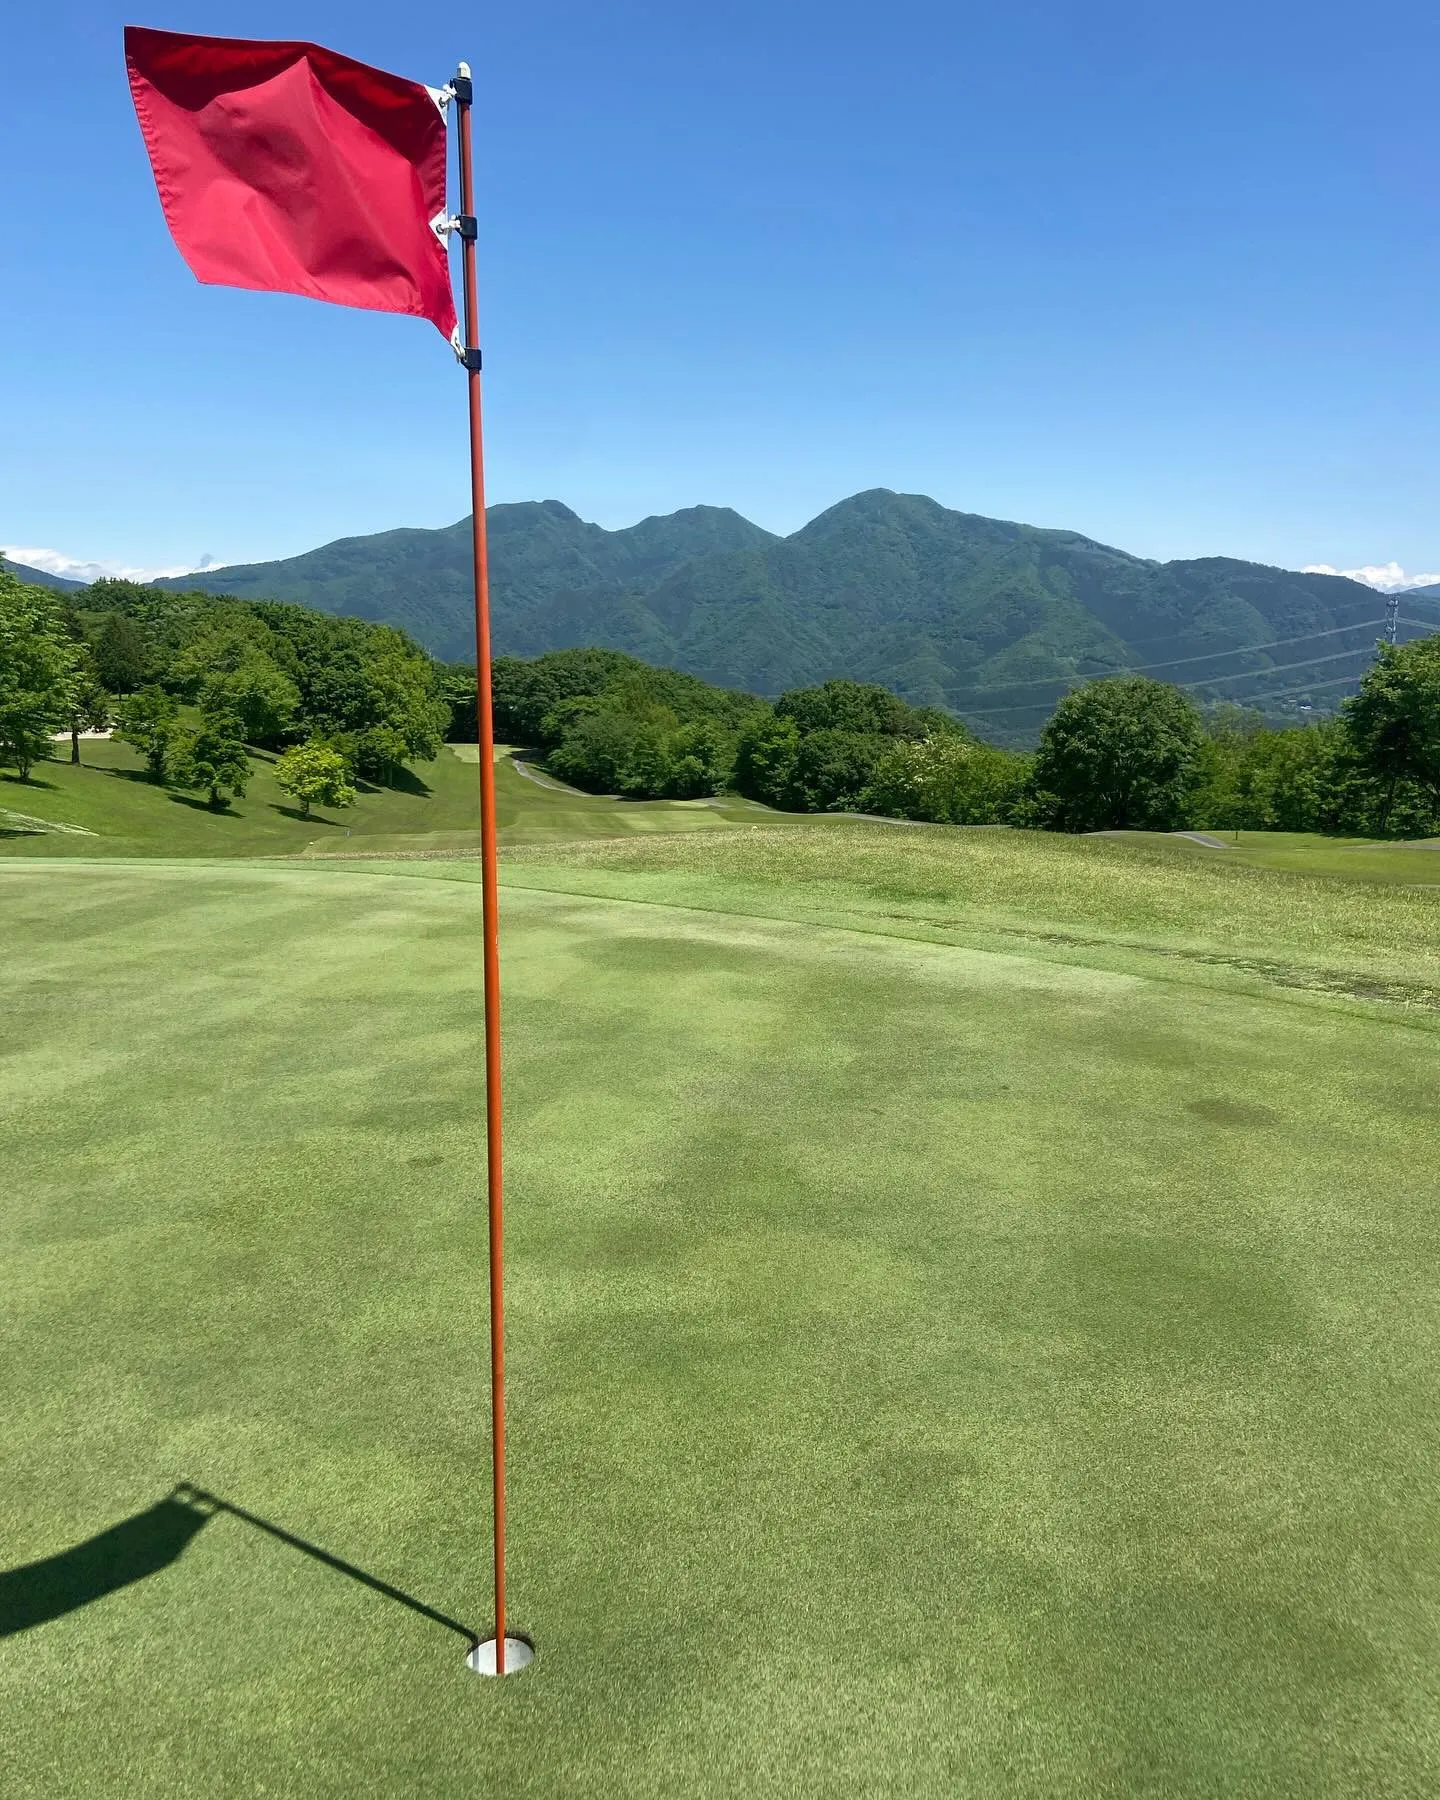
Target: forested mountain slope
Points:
(992, 619)
(43, 578)
(548, 567)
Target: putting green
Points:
(1002, 1367)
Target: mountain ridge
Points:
(43, 578)
(993, 618)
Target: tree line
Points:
(195, 681)
(1123, 753)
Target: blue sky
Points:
(1169, 275)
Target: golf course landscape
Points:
(971, 1302)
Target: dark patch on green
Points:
(1232, 1112)
(1169, 1300)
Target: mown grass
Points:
(1125, 902)
(108, 807)
(936, 1369)
(971, 1331)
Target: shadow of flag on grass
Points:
(37, 1592)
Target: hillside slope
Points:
(42, 578)
(549, 566)
(994, 619)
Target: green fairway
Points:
(107, 807)
(1307, 853)
(972, 1323)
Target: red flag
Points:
(287, 168)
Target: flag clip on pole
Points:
(500, 1654)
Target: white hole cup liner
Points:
(518, 1655)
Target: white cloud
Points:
(1388, 577)
(56, 562)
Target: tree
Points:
(702, 758)
(120, 658)
(857, 707)
(765, 761)
(148, 720)
(948, 779)
(1394, 721)
(89, 705)
(263, 698)
(212, 759)
(379, 695)
(1120, 754)
(315, 774)
(456, 682)
(37, 672)
(834, 768)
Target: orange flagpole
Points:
(490, 882)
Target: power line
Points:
(1304, 637)
(1309, 687)
(1177, 662)
(1310, 662)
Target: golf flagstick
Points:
(463, 90)
(284, 167)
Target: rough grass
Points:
(1064, 897)
(936, 1369)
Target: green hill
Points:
(42, 578)
(105, 806)
(993, 619)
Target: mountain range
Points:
(992, 619)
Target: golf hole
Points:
(519, 1654)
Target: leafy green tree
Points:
(1230, 732)
(228, 640)
(89, 704)
(120, 655)
(530, 697)
(948, 779)
(624, 742)
(315, 774)
(1270, 781)
(646, 766)
(702, 760)
(456, 687)
(1119, 754)
(380, 695)
(211, 759)
(263, 698)
(860, 708)
(822, 747)
(148, 721)
(834, 768)
(37, 672)
(766, 760)
(1394, 723)
(593, 743)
